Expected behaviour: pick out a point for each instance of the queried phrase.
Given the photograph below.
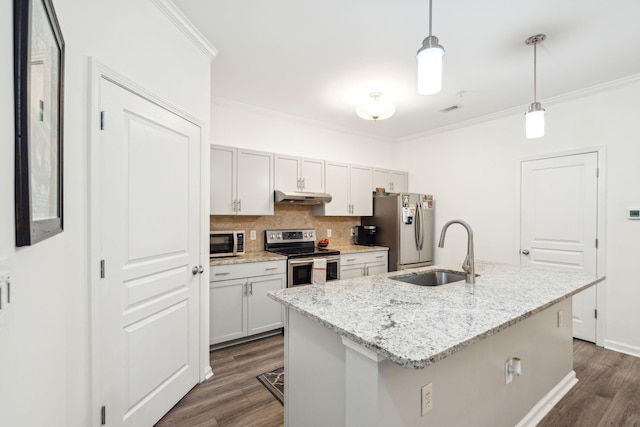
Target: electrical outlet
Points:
(427, 398)
(560, 318)
(353, 231)
(328, 232)
(252, 235)
(508, 376)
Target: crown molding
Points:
(580, 93)
(182, 22)
(292, 118)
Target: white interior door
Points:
(559, 212)
(150, 197)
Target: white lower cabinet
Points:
(363, 264)
(238, 301)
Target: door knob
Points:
(198, 269)
(525, 252)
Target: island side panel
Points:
(469, 386)
(314, 374)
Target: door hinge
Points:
(103, 415)
(595, 313)
(596, 243)
(101, 120)
(597, 172)
(102, 269)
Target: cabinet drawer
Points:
(363, 257)
(249, 269)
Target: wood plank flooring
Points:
(234, 396)
(607, 393)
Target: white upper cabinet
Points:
(241, 181)
(299, 174)
(350, 189)
(391, 181)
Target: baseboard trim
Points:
(542, 408)
(208, 373)
(622, 348)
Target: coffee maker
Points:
(366, 235)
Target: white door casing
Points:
(559, 224)
(146, 309)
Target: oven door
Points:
(299, 272)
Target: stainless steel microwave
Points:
(226, 243)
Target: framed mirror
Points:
(38, 91)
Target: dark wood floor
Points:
(607, 393)
(233, 396)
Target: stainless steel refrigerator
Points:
(404, 223)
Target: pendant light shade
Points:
(430, 63)
(376, 109)
(534, 117)
(534, 121)
(430, 66)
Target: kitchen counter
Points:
(248, 257)
(368, 348)
(353, 249)
(415, 326)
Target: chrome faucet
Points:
(469, 264)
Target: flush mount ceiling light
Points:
(534, 117)
(375, 109)
(430, 63)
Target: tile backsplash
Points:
(287, 216)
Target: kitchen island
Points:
(359, 351)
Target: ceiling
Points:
(318, 59)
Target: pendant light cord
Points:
(430, 14)
(535, 98)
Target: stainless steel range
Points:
(300, 248)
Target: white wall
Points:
(45, 350)
(259, 129)
(472, 174)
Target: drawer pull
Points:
(380, 256)
(271, 268)
(222, 274)
(351, 259)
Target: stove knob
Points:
(279, 236)
(304, 234)
(311, 234)
(271, 236)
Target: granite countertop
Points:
(352, 249)
(415, 326)
(248, 257)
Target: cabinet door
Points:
(361, 195)
(351, 271)
(376, 268)
(222, 188)
(382, 179)
(264, 314)
(312, 175)
(227, 310)
(255, 183)
(337, 184)
(286, 171)
(400, 182)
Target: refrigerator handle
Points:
(421, 225)
(418, 228)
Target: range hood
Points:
(301, 198)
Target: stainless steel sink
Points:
(430, 278)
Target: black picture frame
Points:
(39, 95)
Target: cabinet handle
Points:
(303, 183)
(367, 269)
(380, 256)
(224, 273)
(250, 288)
(351, 259)
(235, 205)
(244, 289)
(390, 185)
(298, 185)
(239, 205)
(363, 271)
(271, 268)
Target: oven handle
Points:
(310, 260)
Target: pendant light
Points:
(534, 117)
(430, 63)
(375, 109)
